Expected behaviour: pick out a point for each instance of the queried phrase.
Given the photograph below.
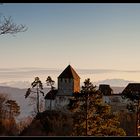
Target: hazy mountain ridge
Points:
(115, 82)
(19, 95)
(111, 82)
(28, 74)
(117, 90)
(17, 89)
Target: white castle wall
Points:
(59, 103)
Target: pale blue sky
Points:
(88, 36)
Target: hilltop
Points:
(47, 123)
(27, 109)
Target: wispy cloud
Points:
(99, 71)
(33, 70)
(28, 73)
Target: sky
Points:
(85, 35)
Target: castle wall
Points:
(65, 86)
(76, 85)
(59, 103)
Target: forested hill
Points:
(49, 123)
(25, 104)
(58, 123)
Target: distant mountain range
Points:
(17, 89)
(27, 109)
(20, 77)
(19, 95)
(115, 82)
(111, 82)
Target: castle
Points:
(69, 82)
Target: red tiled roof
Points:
(69, 72)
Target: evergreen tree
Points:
(39, 87)
(9, 109)
(132, 94)
(92, 117)
(50, 83)
(13, 108)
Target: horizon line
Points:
(78, 69)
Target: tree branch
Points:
(7, 26)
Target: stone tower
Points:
(68, 82)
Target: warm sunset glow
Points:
(89, 36)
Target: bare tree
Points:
(7, 26)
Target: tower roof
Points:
(51, 94)
(132, 91)
(69, 72)
(132, 87)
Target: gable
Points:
(69, 72)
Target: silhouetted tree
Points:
(3, 99)
(9, 109)
(132, 93)
(50, 83)
(92, 117)
(49, 123)
(7, 26)
(39, 87)
(13, 108)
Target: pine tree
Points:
(13, 108)
(50, 83)
(91, 117)
(39, 87)
(9, 109)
